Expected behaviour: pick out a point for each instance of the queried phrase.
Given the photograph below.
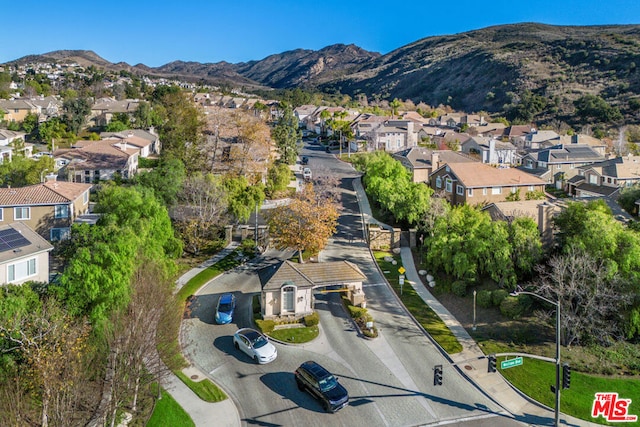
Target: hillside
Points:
(487, 69)
(483, 69)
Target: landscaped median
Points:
(294, 331)
(419, 309)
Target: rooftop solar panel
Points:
(11, 239)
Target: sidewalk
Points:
(203, 414)
(475, 363)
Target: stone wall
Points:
(381, 238)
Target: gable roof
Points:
(48, 193)
(478, 174)
(95, 155)
(309, 275)
(421, 157)
(626, 167)
(571, 153)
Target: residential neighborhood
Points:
(165, 236)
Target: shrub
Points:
(498, 296)
(459, 288)
(312, 319)
(511, 307)
(266, 326)
(484, 298)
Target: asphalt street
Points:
(390, 378)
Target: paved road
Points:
(390, 379)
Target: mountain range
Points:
(481, 70)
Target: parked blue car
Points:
(224, 309)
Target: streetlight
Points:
(517, 292)
(474, 310)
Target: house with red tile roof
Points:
(48, 208)
(477, 183)
(92, 161)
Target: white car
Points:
(255, 344)
(306, 174)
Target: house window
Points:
(62, 211)
(85, 197)
(572, 166)
(448, 185)
(514, 189)
(531, 188)
(438, 182)
(57, 234)
(528, 164)
(21, 270)
(22, 213)
(288, 298)
(559, 167)
(496, 190)
(469, 192)
(484, 191)
(1, 214)
(459, 190)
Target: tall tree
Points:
(306, 223)
(592, 300)
(182, 131)
(286, 135)
(76, 112)
(201, 210)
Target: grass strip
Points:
(205, 389)
(427, 318)
(167, 412)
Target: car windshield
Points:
(260, 341)
(327, 383)
(225, 307)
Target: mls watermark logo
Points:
(612, 409)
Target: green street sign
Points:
(511, 363)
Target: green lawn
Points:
(534, 378)
(295, 335)
(227, 263)
(167, 412)
(205, 389)
(416, 305)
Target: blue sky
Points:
(157, 32)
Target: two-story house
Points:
(24, 255)
(477, 183)
(16, 110)
(92, 161)
(560, 162)
(147, 141)
(490, 151)
(605, 178)
(421, 162)
(48, 208)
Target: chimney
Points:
(51, 177)
(435, 159)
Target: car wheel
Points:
(325, 406)
(235, 344)
(256, 359)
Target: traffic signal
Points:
(566, 376)
(437, 375)
(491, 366)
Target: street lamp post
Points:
(474, 310)
(557, 387)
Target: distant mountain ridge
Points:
(485, 69)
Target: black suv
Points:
(322, 385)
(305, 160)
